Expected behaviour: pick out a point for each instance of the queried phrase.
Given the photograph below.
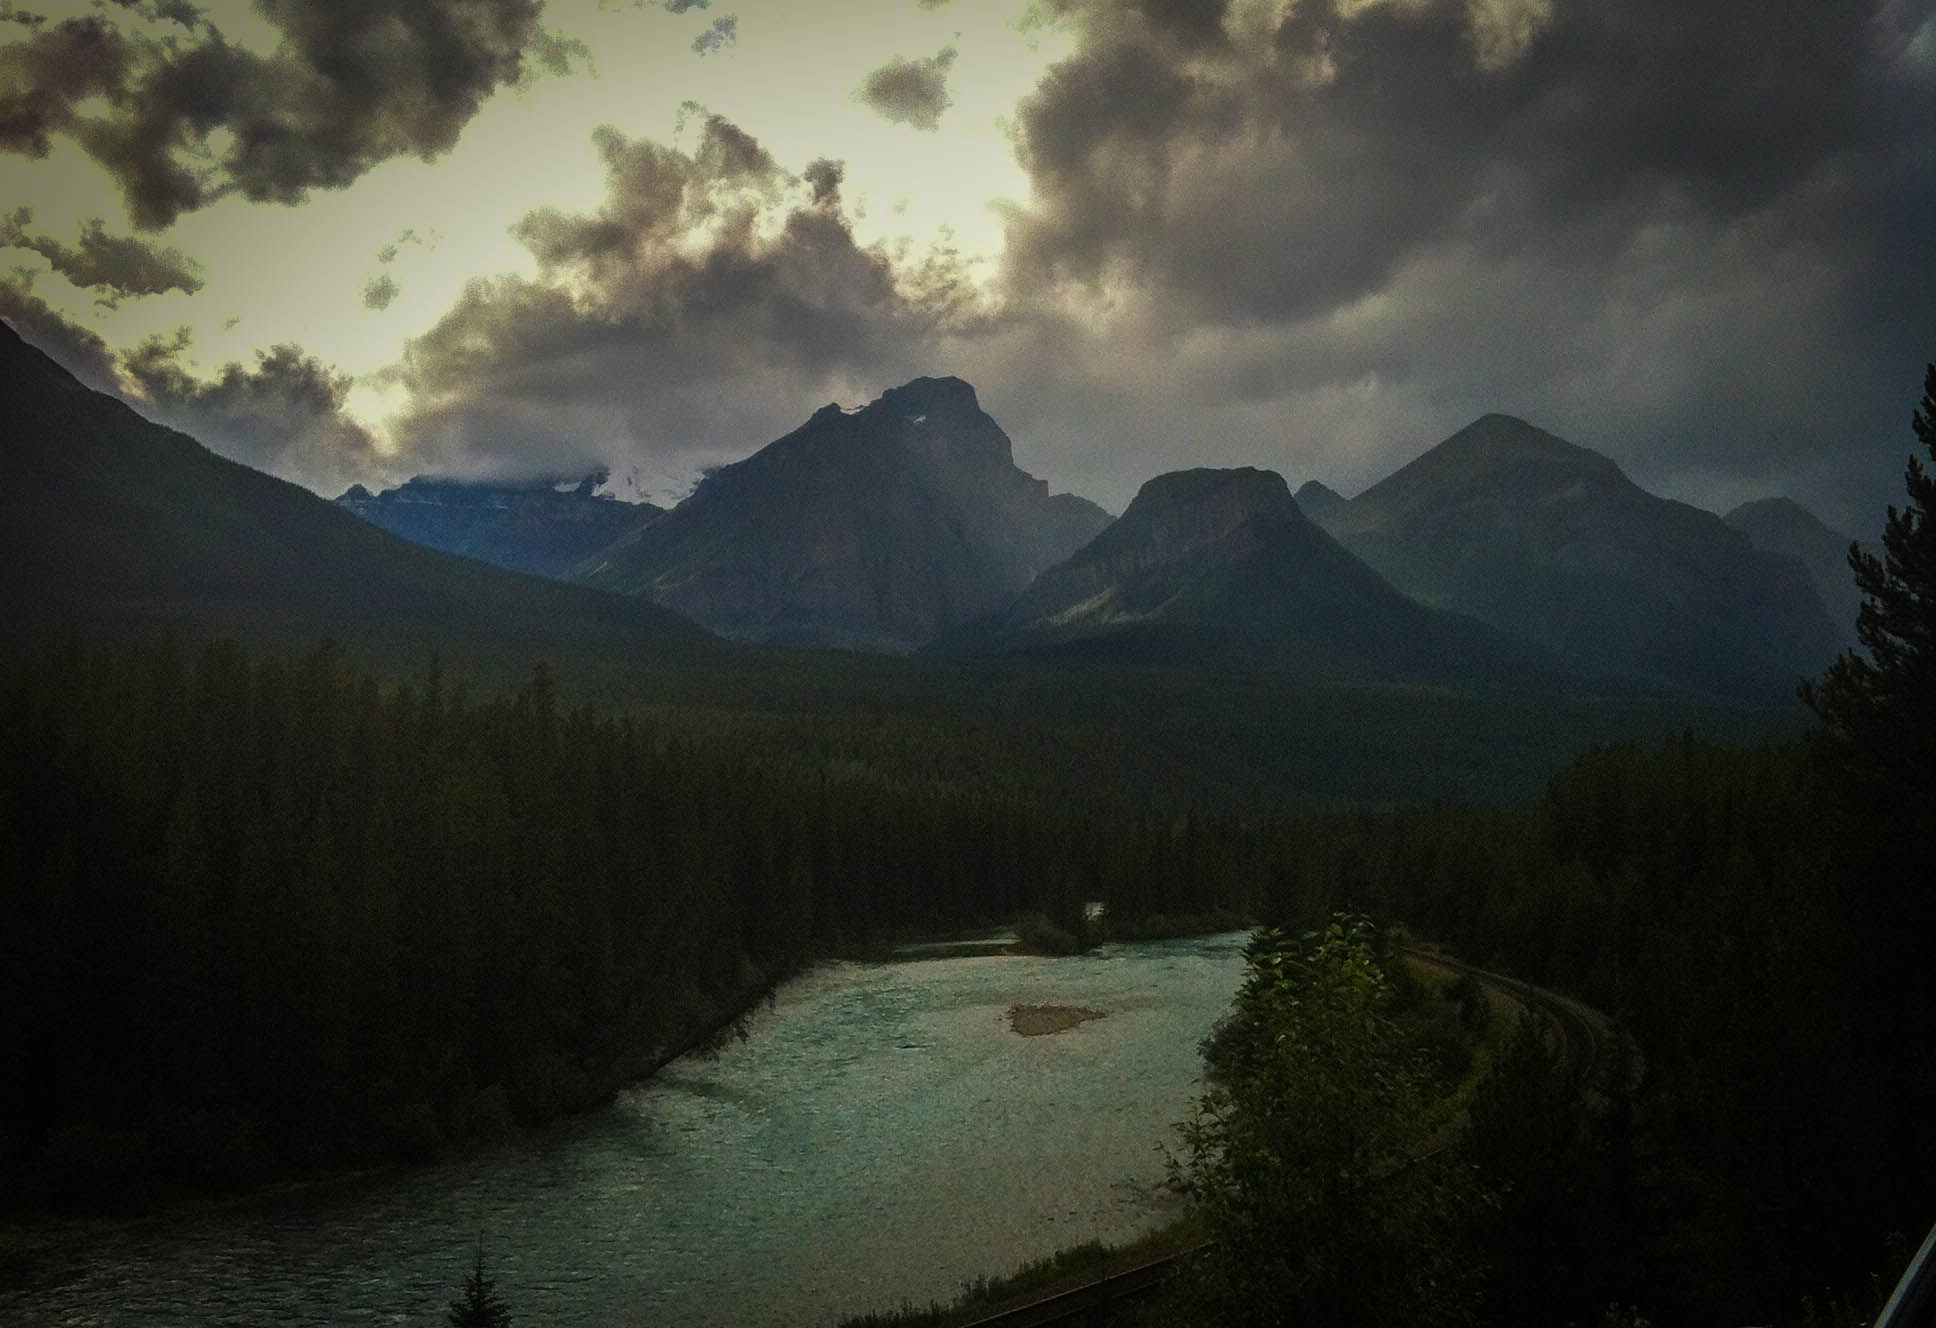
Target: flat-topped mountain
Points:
(1211, 563)
(869, 529)
(539, 527)
(1526, 531)
(1783, 527)
(111, 521)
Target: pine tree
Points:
(479, 1306)
(1881, 711)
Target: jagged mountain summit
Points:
(1222, 564)
(869, 529)
(541, 527)
(1783, 527)
(1552, 542)
(112, 522)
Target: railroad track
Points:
(1587, 1043)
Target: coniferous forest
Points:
(272, 914)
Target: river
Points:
(881, 1136)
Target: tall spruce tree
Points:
(1879, 728)
(479, 1306)
(1881, 710)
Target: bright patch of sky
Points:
(279, 273)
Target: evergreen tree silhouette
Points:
(479, 1306)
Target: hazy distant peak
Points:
(1319, 501)
(1783, 527)
(472, 490)
(1496, 438)
(1495, 459)
(1768, 514)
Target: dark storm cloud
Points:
(706, 307)
(284, 414)
(171, 11)
(116, 265)
(1694, 236)
(824, 177)
(380, 292)
(911, 92)
(349, 86)
(722, 33)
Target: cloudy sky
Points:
(357, 240)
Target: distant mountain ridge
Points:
(872, 529)
(1208, 564)
(1553, 542)
(540, 527)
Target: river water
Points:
(881, 1137)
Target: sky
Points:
(360, 240)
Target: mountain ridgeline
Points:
(1222, 565)
(113, 523)
(539, 527)
(1502, 558)
(874, 529)
(1555, 544)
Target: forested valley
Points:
(268, 915)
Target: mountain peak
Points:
(948, 398)
(869, 529)
(1497, 461)
(1319, 501)
(1769, 514)
(1533, 534)
(1494, 438)
(1189, 509)
(1218, 501)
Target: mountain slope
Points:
(1785, 528)
(540, 528)
(872, 529)
(1553, 542)
(109, 520)
(1221, 564)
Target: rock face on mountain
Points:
(872, 529)
(1222, 563)
(109, 521)
(1553, 542)
(1785, 528)
(542, 528)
